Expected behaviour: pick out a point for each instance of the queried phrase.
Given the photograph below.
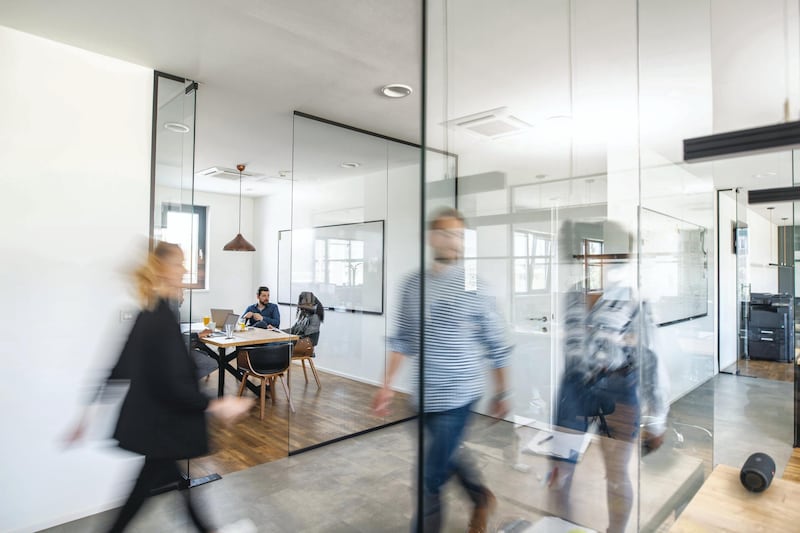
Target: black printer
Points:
(770, 327)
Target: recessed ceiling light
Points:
(177, 127)
(350, 164)
(396, 90)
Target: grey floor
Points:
(364, 484)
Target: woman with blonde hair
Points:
(163, 416)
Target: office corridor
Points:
(365, 483)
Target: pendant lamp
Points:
(239, 243)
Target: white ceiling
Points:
(258, 60)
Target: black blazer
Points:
(163, 415)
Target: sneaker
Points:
(244, 525)
(479, 521)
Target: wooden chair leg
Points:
(305, 375)
(263, 394)
(288, 396)
(314, 370)
(243, 385)
(272, 389)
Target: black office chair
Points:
(265, 362)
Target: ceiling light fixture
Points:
(396, 90)
(239, 243)
(350, 164)
(177, 127)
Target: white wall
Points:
(273, 214)
(75, 147)
(763, 251)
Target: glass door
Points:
(734, 286)
(741, 250)
(791, 259)
(174, 217)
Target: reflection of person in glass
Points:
(610, 367)
(163, 416)
(461, 330)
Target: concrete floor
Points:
(365, 484)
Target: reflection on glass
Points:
(352, 239)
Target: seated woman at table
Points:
(310, 314)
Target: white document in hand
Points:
(559, 444)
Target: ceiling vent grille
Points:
(492, 124)
(226, 173)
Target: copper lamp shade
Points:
(239, 243)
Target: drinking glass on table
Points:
(206, 320)
(229, 331)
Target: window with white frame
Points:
(592, 265)
(185, 225)
(531, 261)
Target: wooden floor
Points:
(792, 470)
(340, 408)
(764, 369)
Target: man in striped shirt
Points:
(461, 329)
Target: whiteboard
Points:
(674, 267)
(341, 264)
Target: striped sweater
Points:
(462, 331)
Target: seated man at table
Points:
(263, 314)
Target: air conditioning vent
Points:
(491, 124)
(226, 173)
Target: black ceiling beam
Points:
(769, 196)
(734, 143)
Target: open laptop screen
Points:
(219, 316)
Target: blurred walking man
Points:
(461, 328)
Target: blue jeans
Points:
(444, 457)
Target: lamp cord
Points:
(240, 202)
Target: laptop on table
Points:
(231, 319)
(219, 316)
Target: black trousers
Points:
(155, 473)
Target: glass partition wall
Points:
(580, 217)
(353, 238)
(174, 216)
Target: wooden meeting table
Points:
(250, 337)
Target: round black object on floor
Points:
(757, 472)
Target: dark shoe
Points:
(479, 521)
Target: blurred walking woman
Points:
(163, 416)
